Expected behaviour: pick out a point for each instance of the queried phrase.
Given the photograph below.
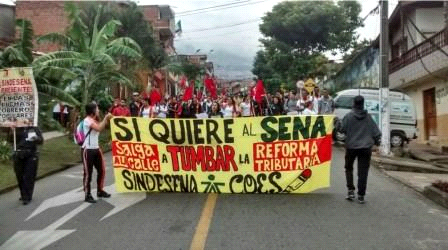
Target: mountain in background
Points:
(228, 64)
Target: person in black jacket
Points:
(361, 134)
(26, 159)
(276, 106)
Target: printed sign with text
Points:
(274, 154)
(18, 98)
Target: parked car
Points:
(403, 118)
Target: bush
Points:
(5, 151)
(441, 185)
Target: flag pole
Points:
(269, 105)
(15, 139)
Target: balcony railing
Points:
(439, 40)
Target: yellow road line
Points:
(200, 236)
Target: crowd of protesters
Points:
(225, 106)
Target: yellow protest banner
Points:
(273, 154)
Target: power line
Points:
(374, 11)
(421, 59)
(221, 34)
(215, 6)
(426, 38)
(230, 7)
(225, 26)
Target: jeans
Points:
(363, 155)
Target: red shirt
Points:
(120, 111)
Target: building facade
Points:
(50, 16)
(419, 64)
(7, 24)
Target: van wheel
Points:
(396, 140)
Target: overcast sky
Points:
(234, 47)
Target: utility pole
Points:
(384, 112)
(445, 12)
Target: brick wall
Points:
(45, 16)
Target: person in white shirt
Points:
(162, 110)
(57, 111)
(309, 109)
(245, 107)
(227, 110)
(91, 152)
(148, 110)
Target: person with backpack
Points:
(91, 152)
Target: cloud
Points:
(235, 45)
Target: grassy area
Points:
(55, 154)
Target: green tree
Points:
(312, 26)
(19, 54)
(47, 78)
(297, 33)
(93, 58)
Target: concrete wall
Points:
(416, 93)
(428, 20)
(362, 71)
(45, 17)
(7, 24)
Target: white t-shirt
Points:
(57, 108)
(147, 112)
(245, 109)
(91, 141)
(228, 111)
(308, 111)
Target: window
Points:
(344, 102)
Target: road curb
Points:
(406, 166)
(436, 195)
(55, 171)
(429, 192)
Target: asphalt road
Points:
(394, 217)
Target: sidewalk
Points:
(428, 154)
(429, 165)
(52, 134)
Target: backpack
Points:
(78, 135)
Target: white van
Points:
(403, 118)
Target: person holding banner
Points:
(26, 159)
(91, 152)
(361, 134)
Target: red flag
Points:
(208, 82)
(183, 82)
(155, 96)
(259, 91)
(188, 93)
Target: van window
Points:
(344, 102)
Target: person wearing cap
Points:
(135, 105)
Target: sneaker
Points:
(26, 202)
(361, 199)
(103, 194)
(89, 199)
(350, 195)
